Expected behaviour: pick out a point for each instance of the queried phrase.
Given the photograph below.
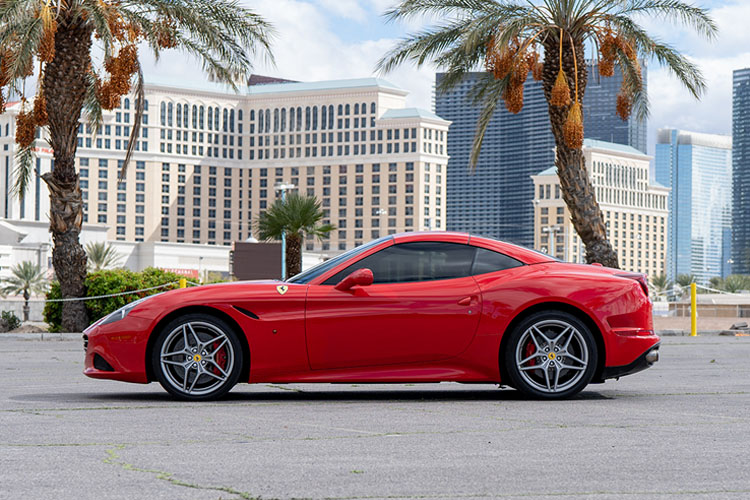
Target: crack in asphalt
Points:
(113, 458)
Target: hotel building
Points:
(207, 160)
(635, 209)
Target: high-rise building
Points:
(207, 161)
(599, 117)
(495, 200)
(741, 172)
(698, 169)
(634, 209)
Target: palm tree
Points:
(685, 280)
(296, 216)
(513, 38)
(102, 255)
(660, 283)
(716, 282)
(27, 278)
(736, 282)
(59, 34)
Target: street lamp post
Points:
(283, 187)
(552, 232)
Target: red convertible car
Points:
(415, 307)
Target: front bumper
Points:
(117, 351)
(645, 360)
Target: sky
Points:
(336, 39)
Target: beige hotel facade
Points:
(634, 207)
(207, 162)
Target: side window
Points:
(488, 261)
(418, 261)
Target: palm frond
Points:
(140, 99)
(24, 170)
(91, 104)
(442, 8)
(674, 10)
(490, 92)
(681, 67)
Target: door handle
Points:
(465, 301)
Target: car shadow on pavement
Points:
(278, 393)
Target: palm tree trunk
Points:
(293, 254)
(26, 297)
(575, 184)
(65, 88)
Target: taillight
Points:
(640, 278)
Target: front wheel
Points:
(197, 357)
(551, 355)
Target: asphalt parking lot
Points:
(680, 429)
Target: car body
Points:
(440, 321)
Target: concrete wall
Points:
(16, 306)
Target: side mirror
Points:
(361, 277)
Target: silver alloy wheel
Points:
(552, 356)
(197, 358)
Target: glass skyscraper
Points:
(740, 172)
(496, 199)
(599, 118)
(698, 168)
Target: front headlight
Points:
(123, 311)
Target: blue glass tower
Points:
(698, 168)
(496, 199)
(741, 172)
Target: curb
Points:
(41, 336)
(710, 333)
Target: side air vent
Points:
(101, 364)
(247, 313)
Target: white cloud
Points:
(348, 9)
(307, 48)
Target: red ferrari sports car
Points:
(415, 307)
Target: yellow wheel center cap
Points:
(551, 355)
(197, 358)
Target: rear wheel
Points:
(197, 357)
(550, 355)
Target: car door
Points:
(423, 305)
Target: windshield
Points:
(323, 267)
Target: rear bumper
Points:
(645, 360)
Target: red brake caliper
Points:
(531, 349)
(220, 358)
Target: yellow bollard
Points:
(693, 311)
(183, 283)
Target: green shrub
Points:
(53, 310)
(106, 282)
(9, 321)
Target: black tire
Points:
(541, 365)
(211, 363)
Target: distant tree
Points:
(27, 278)
(716, 282)
(684, 280)
(297, 216)
(102, 255)
(735, 283)
(660, 283)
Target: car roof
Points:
(525, 255)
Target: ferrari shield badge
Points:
(282, 289)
